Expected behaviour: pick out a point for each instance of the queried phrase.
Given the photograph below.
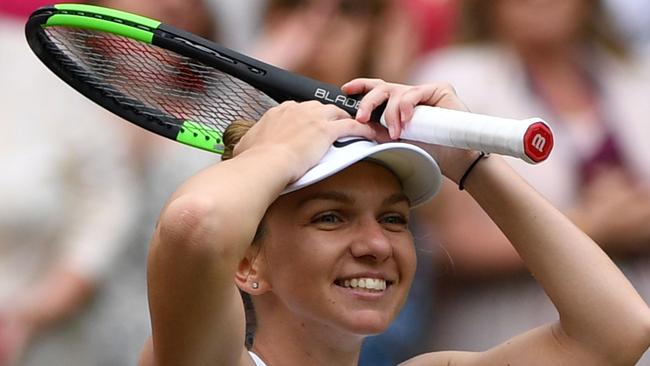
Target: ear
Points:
(251, 271)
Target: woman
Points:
(298, 255)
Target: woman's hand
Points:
(303, 132)
(401, 101)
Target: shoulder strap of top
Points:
(258, 361)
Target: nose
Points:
(371, 242)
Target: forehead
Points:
(364, 180)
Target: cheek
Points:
(406, 258)
(300, 275)
(297, 262)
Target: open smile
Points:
(364, 283)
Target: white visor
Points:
(415, 168)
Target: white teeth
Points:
(366, 283)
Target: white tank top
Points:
(258, 361)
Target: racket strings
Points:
(154, 82)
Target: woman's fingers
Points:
(370, 101)
(360, 85)
(333, 112)
(375, 94)
(352, 127)
(441, 95)
(409, 100)
(392, 116)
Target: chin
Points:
(369, 322)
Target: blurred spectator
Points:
(563, 61)
(338, 40)
(66, 193)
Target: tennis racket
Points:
(188, 89)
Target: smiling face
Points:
(339, 253)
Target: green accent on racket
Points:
(111, 13)
(200, 136)
(67, 20)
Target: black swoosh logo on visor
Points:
(340, 144)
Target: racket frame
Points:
(278, 84)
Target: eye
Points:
(394, 221)
(328, 219)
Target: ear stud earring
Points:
(255, 285)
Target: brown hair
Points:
(231, 136)
(475, 25)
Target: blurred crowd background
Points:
(79, 200)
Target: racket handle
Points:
(530, 139)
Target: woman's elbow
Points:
(644, 332)
(194, 225)
(634, 343)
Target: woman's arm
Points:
(196, 312)
(205, 229)
(466, 256)
(484, 253)
(603, 320)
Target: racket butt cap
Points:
(538, 142)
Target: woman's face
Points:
(535, 22)
(321, 242)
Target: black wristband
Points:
(461, 183)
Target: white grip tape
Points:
(467, 130)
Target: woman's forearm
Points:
(598, 306)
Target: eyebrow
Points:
(344, 198)
(397, 198)
(328, 196)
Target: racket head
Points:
(163, 79)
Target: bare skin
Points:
(353, 224)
